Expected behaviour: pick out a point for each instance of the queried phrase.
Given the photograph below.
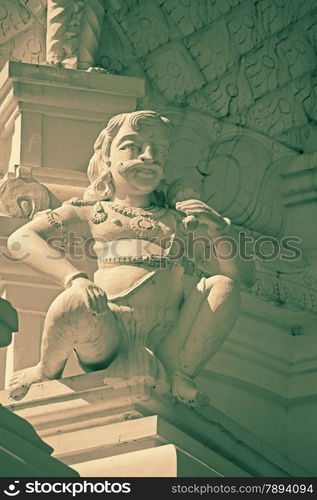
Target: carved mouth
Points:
(145, 173)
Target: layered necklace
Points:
(142, 222)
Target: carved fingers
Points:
(97, 300)
(94, 298)
(203, 212)
(195, 207)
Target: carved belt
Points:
(153, 261)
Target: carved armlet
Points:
(76, 202)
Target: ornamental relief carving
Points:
(13, 19)
(22, 196)
(260, 76)
(240, 171)
(247, 78)
(22, 31)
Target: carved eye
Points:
(160, 150)
(132, 147)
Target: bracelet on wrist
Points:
(71, 277)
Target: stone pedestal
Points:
(112, 428)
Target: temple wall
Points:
(22, 31)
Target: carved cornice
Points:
(52, 406)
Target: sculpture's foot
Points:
(97, 69)
(185, 390)
(68, 63)
(161, 385)
(21, 380)
(56, 63)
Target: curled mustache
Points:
(126, 165)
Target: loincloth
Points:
(158, 283)
(146, 313)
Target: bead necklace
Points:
(143, 223)
(133, 211)
(99, 214)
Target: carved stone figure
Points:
(158, 306)
(68, 23)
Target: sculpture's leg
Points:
(206, 318)
(68, 325)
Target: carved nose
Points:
(147, 154)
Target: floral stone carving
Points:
(22, 196)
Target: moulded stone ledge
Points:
(59, 76)
(64, 92)
(130, 416)
(162, 461)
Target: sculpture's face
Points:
(137, 158)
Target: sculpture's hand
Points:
(204, 213)
(94, 298)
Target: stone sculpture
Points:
(156, 307)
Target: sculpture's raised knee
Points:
(222, 283)
(66, 303)
(220, 290)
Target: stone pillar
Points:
(49, 120)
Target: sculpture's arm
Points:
(35, 244)
(220, 252)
